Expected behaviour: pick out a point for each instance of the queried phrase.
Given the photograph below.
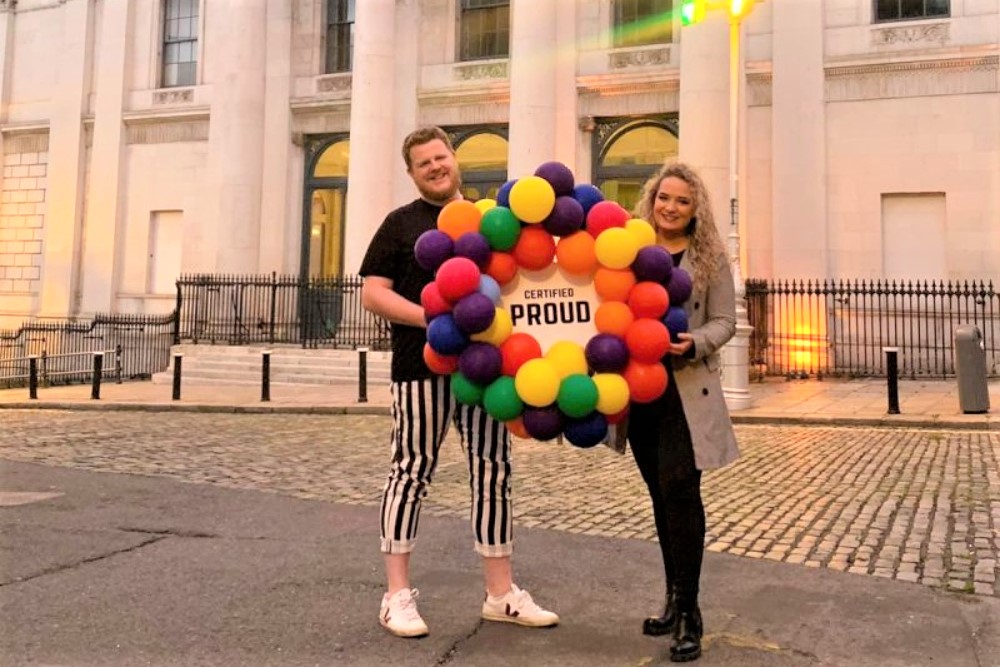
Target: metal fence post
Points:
(178, 358)
(362, 375)
(33, 377)
(118, 363)
(265, 377)
(95, 386)
(892, 378)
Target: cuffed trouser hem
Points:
(388, 546)
(494, 550)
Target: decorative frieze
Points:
(492, 70)
(338, 83)
(36, 142)
(954, 76)
(173, 96)
(758, 89)
(932, 33)
(164, 132)
(639, 58)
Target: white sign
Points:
(552, 305)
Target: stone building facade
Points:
(142, 139)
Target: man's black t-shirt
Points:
(390, 255)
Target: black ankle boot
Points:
(686, 642)
(657, 626)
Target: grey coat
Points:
(712, 322)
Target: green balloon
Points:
(501, 400)
(500, 227)
(577, 396)
(464, 391)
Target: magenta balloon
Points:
(480, 363)
(566, 217)
(559, 177)
(474, 313)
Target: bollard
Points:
(33, 378)
(362, 375)
(178, 357)
(118, 363)
(892, 378)
(95, 387)
(265, 377)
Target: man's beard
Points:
(442, 198)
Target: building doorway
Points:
(325, 207)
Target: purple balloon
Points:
(432, 248)
(606, 353)
(676, 321)
(587, 195)
(679, 287)
(480, 363)
(543, 423)
(566, 217)
(653, 262)
(559, 177)
(587, 431)
(474, 246)
(444, 336)
(474, 313)
(503, 194)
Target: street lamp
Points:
(736, 353)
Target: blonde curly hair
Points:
(705, 248)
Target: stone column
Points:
(798, 166)
(61, 241)
(277, 230)
(375, 158)
(234, 67)
(533, 85)
(103, 241)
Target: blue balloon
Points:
(676, 321)
(587, 431)
(587, 195)
(503, 195)
(444, 336)
(490, 287)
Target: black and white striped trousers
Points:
(422, 413)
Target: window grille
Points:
(910, 10)
(339, 35)
(641, 22)
(180, 43)
(485, 29)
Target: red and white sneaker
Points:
(518, 607)
(399, 614)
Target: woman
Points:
(686, 430)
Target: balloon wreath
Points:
(571, 389)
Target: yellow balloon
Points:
(642, 230)
(612, 393)
(537, 382)
(616, 248)
(532, 199)
(497, 332)
(486, 204)
(568, 358)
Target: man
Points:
(423, 408)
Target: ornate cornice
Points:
(493, 93)
(167, 130)
(622, 84)
(35, 141)
(937, 33)
(639, 58)
(888, 80)
(487, 70)
(977, 63)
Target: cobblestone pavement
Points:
(915, 505)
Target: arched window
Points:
(482, 158)
(628, 152)
(325, 208)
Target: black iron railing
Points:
(135, 347)
(243, 310)
(840, 327)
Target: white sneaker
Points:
(518, 607)
(399, 614)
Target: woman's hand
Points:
(681, 348)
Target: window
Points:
(482, 158)
(632, 152)
(908, 10)
(339, 35)
(639, 22)
(485, 29)
(180, 43)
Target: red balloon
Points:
(617, 417)
(535, 248)
(434, 304)
(501, 267)
(647, 340)
(605, 214)
(457, 277)
(516, 350)
(646, 382)
(442, 364)
(649, 299)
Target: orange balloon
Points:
(459, 217)
(516, 427)
(575, 253)
(501, 267)
(646, 382)
(647, 340)
(613, 284)
(613, 317)
(534, 249)
(442, 364)
(649, 299)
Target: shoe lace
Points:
(523, 602)
(406, 605)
